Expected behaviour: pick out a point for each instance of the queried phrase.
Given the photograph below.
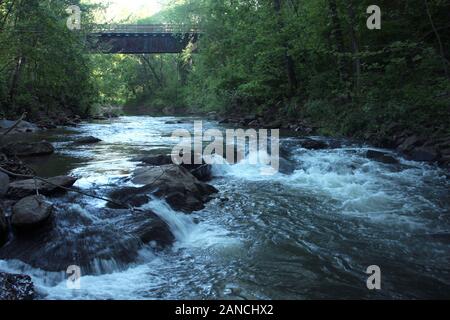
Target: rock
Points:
(276, 124)
(445, 161)
(14, 287)
(75, 238)
(87, 140)
(31, 211)
(254, 124)
(23, 188)
(381, 157)
(4, 184)
(158, 160)
(428, 154)
(27, 149)
(3, 227)
(409, 143)
(286, 166)
(175, 184)
(313, 144)
(23, 126)
(199, 168)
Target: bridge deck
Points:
(133, 39)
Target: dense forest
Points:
(280, 59)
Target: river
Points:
(310, 234)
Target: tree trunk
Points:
(355, 45)
(338, 38)
(438, 38)
(289, 62)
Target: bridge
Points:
(135, 39)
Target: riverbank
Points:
(431, 145)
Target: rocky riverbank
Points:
(31, 214)
(417, 147)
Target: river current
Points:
(309, 234)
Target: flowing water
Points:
(309, 234)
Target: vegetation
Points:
(43, 65)
(288, 59)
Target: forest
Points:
(315, 60)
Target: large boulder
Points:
(381, 157)
(31, 211)
(16, 287)
(158, 160)
(409, 143)
(23, 188)
(99, 240)
(428, 154)
(4, 184)
(87, 140)
(198, 167)
(23, 126)
(27, 149)
(313, 144)
(175, 184)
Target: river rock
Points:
(87, 140)
(428, 154)
(4, 184)
(14, 287)
(286, 166)
(158, 160)
(198, 167)
(175, 184)
(23, 126)
(381, 157)
(99, 240)
(23, 188)
(409, 143)
(31, 211)
(27, 149)
(313, 144)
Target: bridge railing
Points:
(148, 28)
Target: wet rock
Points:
(4, 184)
(199, 168)
(409, 143)
(87, 140)
(313, 144)
(31, 211)
(104, 240)
(158, 160)
(175, 184)
(381, 157)
(428, 154)
(14, 287)
(27, 149)
(23, 126)
(286, 166)
(23, 188)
